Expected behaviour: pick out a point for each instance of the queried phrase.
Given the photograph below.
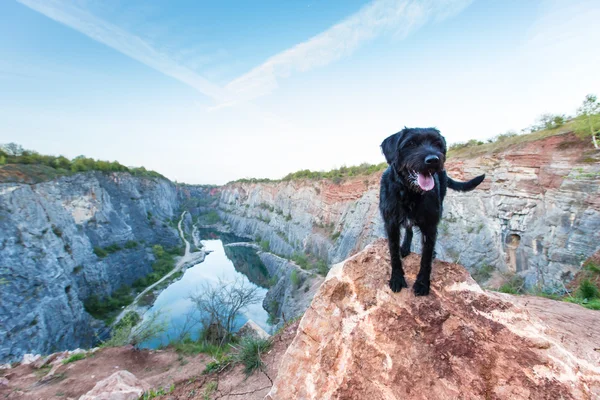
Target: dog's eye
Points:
(410, 143)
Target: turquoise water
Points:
(225, 263)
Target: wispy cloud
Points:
(67, 13)
(396, 17)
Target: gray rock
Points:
(48, 232)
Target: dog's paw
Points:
(421, 288)
(404, 252)
(397, 283)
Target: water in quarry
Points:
(176, 309)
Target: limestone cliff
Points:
(48, 232)
(358, 340)
(536, 214)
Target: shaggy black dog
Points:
(413, 188)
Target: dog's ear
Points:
(389, 147)
(443, 142)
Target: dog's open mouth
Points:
(425, 181)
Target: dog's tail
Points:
(465, 186)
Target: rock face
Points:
(122, 385)
(536, 214)
(48, 232)
(290, 296)
(358, 340)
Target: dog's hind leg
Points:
(408, 236)
(421, 286)
(397, 281)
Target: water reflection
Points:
(225, 263)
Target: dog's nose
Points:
(432, 160)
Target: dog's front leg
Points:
(408, 236)
(421, 286)
(397, 281)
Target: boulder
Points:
(122, 385)
(251, 329)
(359, 340)
(30, 359)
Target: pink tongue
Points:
(425, 181)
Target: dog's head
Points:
(416, 154)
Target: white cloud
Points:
(67, 13)
(397, 17)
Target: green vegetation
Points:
(190, 347)
(218, 365)
(74, 357)
(209, 218)
(56, 231)
(153, 393)
(209, 389)
(586, 124)
(100, 252)
(265, 245)
(295, 279)
(53, 166)
(587, 290)
(133, 330)
(483, 273)
(335, 235)
(105, 308)
(587, 293)
(321, 267)
(165, 262)
(336, 175)
(514, 285)
(250, 352)
(301, 260)
(588, 120)
(131, 244)
(111, 248)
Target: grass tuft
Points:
(251, 351)
(74, 357)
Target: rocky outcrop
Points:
(48, 232)
(358, 340)
(536, 214)
(293, 290)
(122, 385)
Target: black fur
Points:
(404, 204)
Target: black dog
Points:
(413, 188)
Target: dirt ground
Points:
(233, 383)
(159, 368)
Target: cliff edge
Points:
(358, 340)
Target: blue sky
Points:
(207, 92)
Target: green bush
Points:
(112, 248)
(12, 153)
(251, 351)
(131, 244)
(74, 357)
(335, 235)
(99, 251)
(165, 262)
(514, 285)
(191, 347)
(211, 217)
(588, 290)
(219, 365)
(483, 273)
(265, 245)
(321, 267)
(104, 308)
(56, 231)
(295, 278)
(301, 260)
